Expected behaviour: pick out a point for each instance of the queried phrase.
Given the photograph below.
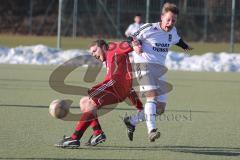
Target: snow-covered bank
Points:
(43, 55)
(221, 62)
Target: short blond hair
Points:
(170, 7)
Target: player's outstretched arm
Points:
(184, 46)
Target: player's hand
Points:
(187, 50)
(137, 47)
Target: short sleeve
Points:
(141, 33)
(175, 36)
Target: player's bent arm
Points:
(125, 47)
(137, 38)
(135, 44)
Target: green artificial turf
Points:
(201, 120)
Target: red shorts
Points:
(108, 93)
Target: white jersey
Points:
(132, 28)
(155, 43)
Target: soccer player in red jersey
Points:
(116, 87)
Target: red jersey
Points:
(117, 62)
(117, 85)
(119, 71)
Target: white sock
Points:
(150, 115)
(139, 117)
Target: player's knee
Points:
(151, 95)
(160, 108)
(86, 104)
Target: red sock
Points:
(83, 124)
(96, 127)
(139, 105)
(133, 97)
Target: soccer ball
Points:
(59, 108)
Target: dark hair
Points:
(170, 7)
(100, 43)
(138, 15)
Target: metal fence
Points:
(199, 20)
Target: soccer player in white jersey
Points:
(151, 43)
(134, 27)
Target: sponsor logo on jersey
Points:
(160, 49)
(162, 44)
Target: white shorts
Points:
(150, 76)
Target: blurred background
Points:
(200, 21)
